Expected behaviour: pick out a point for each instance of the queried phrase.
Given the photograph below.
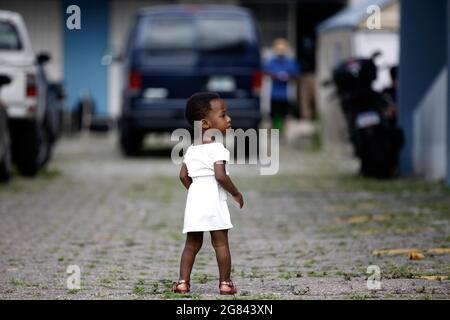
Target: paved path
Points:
(309, 232)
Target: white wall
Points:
(332, 48)
(43, 20)
(430, 131)
(366, 43)
(337, 45)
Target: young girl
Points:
(204, 174)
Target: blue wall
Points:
(83, 51)
(423, 53)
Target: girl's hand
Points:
(239, 199)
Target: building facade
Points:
(424, 88)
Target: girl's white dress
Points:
(206, 205)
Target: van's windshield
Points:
(9, 39)
(165, 35)
(226, 35)
(206, 33)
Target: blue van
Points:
(174, 51)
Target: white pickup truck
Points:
(25, 98)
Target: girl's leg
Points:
(219, 241)
(194, 241)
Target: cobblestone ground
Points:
(309, 232)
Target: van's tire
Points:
(6, 159)
(32, 148)
(130, 140)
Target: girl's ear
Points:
(205, 124)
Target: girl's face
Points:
(217, 117)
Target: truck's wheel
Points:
(33, 151)
(5, 161)
(45, 147)
(130, 140)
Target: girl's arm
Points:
(224, 180)
(184, 177)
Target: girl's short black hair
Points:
(198, 106)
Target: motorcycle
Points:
(371, 122)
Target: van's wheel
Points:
(130, 140)
(33, 150)
(5, 161)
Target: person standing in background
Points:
(307, 95)
(282, 69)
